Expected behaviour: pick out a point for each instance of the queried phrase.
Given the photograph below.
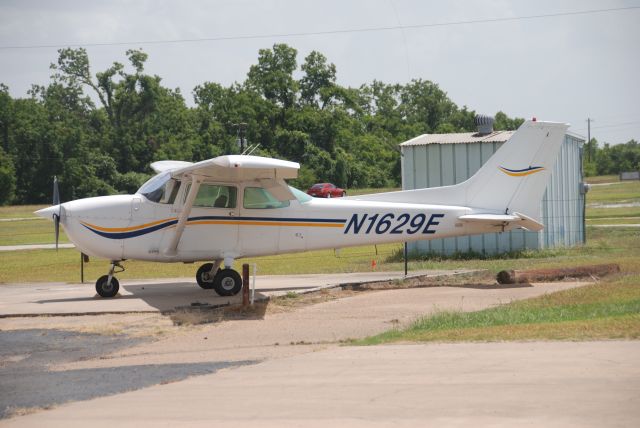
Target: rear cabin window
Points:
(259, 198)
(215, 196)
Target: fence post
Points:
(245, 285)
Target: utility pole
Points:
(241, 128)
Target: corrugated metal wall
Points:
(435, 165)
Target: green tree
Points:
(7, 179)
(348, 135)
(273, 75)
(319, 80)
(505, 123)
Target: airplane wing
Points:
(240, 168)
(271, 173)
(509, 221)
(167, 165)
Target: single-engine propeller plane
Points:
(229, 207)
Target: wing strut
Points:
(184, 215)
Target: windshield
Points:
(300, 195)
(160, 188)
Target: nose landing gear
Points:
(108, 285)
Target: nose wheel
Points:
(105, 288)
(108, 285)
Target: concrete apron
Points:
(550, 384)
(167, 294)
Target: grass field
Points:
(620, 192)
(19, 211)
(602, 179)
(606, 310)
(604, 204)
(37, 231)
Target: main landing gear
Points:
(108, 285)
(225, 282)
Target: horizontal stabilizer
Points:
(507, 221)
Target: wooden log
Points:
(542, 275)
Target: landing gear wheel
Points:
(227, 282)
(107, 290)
(204, 276)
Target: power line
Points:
(614, 125)
(328, 32)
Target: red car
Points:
(326, 190)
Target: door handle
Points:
(232, 214)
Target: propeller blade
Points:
(56, 216)
(56, 226)
(56, 192)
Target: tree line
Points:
(345, 135)
(607, 160)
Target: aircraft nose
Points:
(48, 212)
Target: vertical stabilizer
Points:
(516, 176)
(512, 180)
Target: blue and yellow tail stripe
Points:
(521, 172)
(143, 229)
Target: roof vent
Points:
(484, 124)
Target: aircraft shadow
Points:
(163, 297)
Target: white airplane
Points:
(229, 207)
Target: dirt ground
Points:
(289, 325)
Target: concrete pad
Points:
(549, 384)
(282, 332)
(167, 294)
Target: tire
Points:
(201, 276)
(107, 291)
(227, 282)
(329, 195)
(344, 194)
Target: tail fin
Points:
(516, 176)
(512, 180)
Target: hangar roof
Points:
(463, 138)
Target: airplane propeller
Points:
(56, 216)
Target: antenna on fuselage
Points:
(251, 149)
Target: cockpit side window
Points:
(160, 188)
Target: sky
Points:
(563, 68)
